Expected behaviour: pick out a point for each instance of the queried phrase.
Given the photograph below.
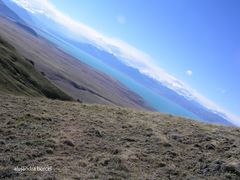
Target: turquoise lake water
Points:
(153, 99)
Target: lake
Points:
(153, 99)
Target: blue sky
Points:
(197, 42)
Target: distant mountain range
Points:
(22, 13)
(193, 106)
(7, 12)
(28, 22)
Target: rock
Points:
(124, 126)
(49, 151)
(129, 139)
(176, 137)
(210, 146)
(161, 164)
(166, 144)
(197, 145)
(69, 143)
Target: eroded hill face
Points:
(18, 76)
(98, 142)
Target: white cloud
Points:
(126, 52)
(189, 72)
(121, 19)
(33, 6)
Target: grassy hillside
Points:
(18, 76)
(72, 76)
(79, 141)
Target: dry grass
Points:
(83, 141)
(18, 76)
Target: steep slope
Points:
(78, 141)
(75, 78)
(18, 76)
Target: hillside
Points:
(18, 76)
(80, 141)
(75, 78)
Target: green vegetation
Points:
(18, 76)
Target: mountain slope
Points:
(21, 12)
(79, 141)
(73, 77)
(8, 13)
(18, 76)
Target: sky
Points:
(193, 43)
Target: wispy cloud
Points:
(189, 72)
(126, 52)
